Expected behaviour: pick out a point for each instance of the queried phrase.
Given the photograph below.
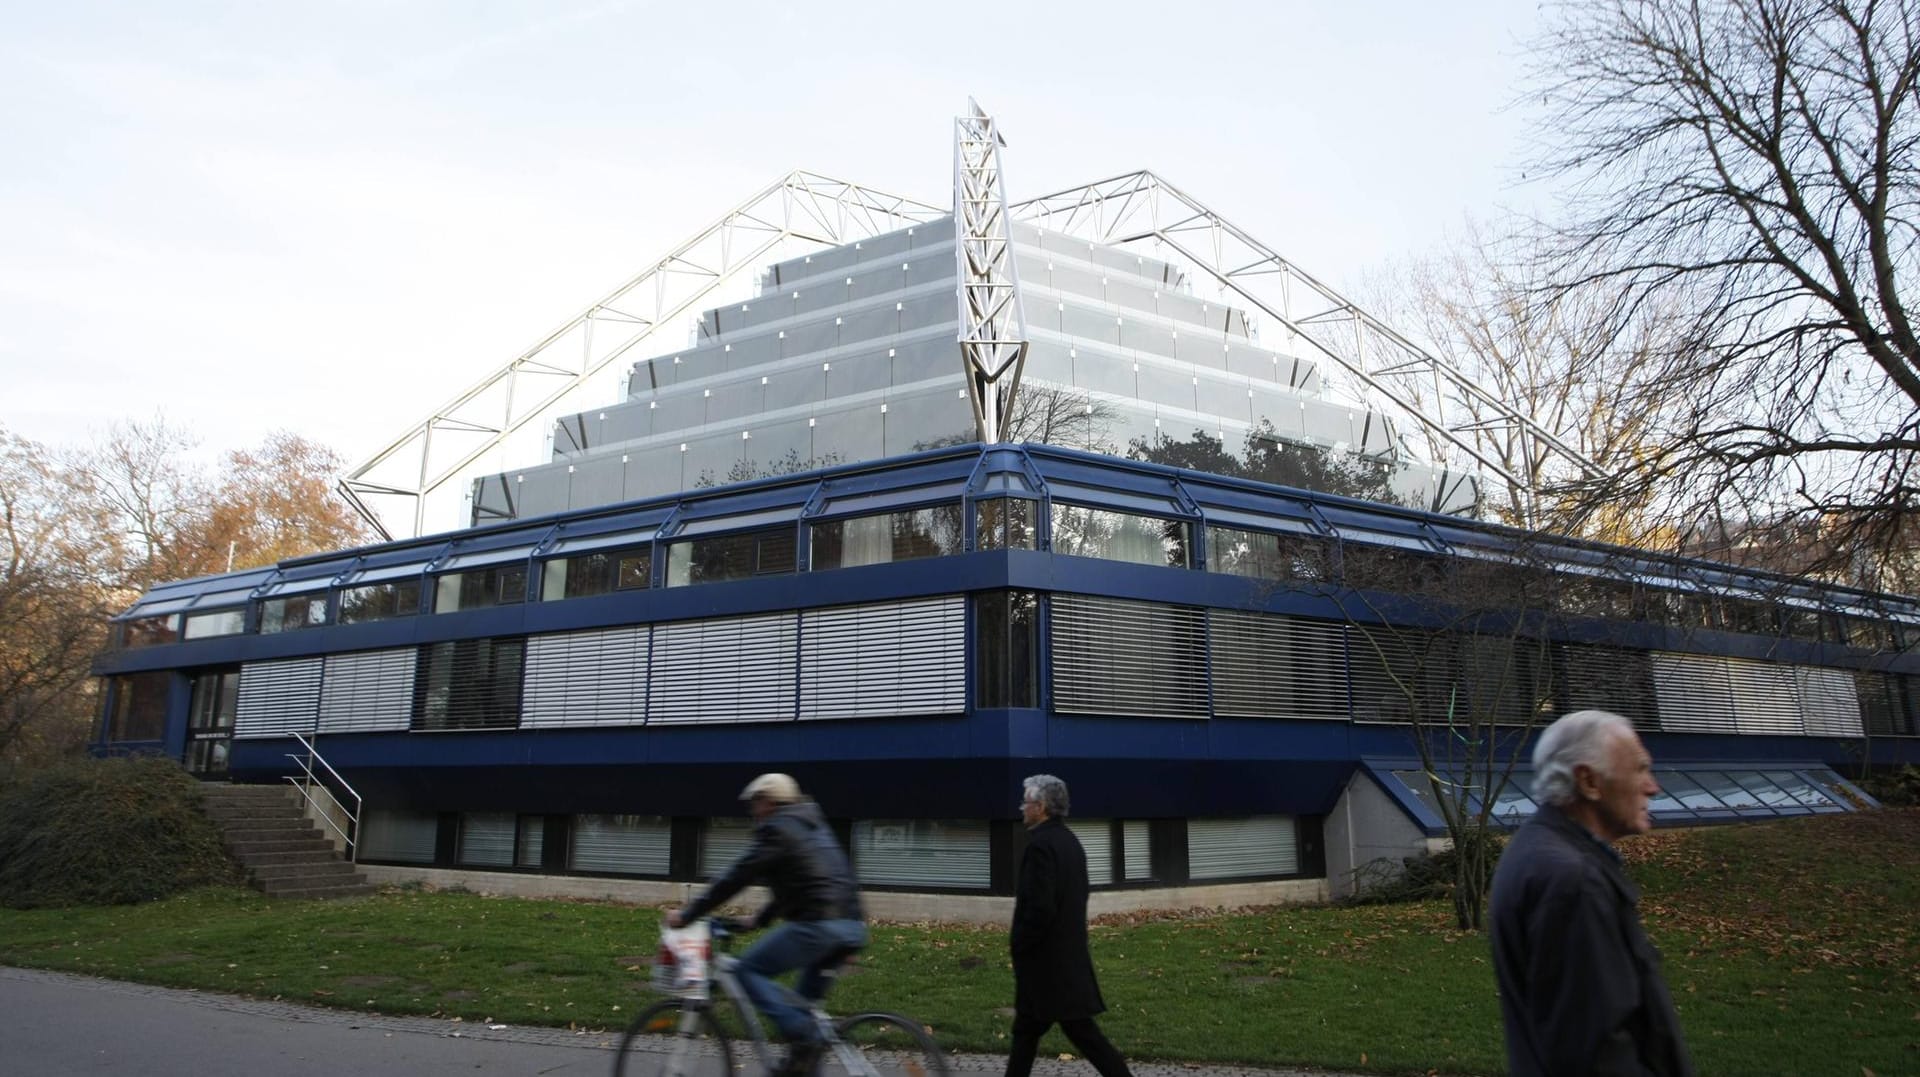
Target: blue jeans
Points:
(796, 944)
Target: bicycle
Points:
(682, 1036)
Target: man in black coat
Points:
(1052, 971)
(1580, 986)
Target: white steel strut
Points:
(422, 475)
(993, 320)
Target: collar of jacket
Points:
(1048, 821)
(1583, 839)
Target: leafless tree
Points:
(1757, 157)
(1461, 649)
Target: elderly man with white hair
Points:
(1580, 986)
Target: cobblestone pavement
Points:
(315, 1018)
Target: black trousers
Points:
(1081, 1031)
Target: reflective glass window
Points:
(1729, 791)
(139, 707)
(1265, 556)
(934, 531)
(494, 585)
(716, 558)
(147, 631)
(598, 573)
(379, 601)
(215, 623)
(1801, 790)
(1005, 523)
(293, 612)
(1007, 660)
(468, 684)
(1081, 531)
(1677, 786)
(1771, 795)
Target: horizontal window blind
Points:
(367, 692)
(586, 678)
(1096, 837)
(1694, 692)
(1239, 848)
(621, 844)
(1112, 656)
(1610, 679)
(738, 669)
(486, 839)
(921, 852)
(722, 841)
(1266, 666)
(884, 659)
(469, 684)
(278, 698)
(1138, 848)
(1766, 698)
(406, 836)
(1829, 702)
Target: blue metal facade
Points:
(965, 764)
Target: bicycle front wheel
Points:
(674, 1038)
(891, 1044)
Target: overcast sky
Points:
(331, 217)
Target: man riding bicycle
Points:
(795, 855)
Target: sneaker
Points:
(802, 1059)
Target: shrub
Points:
(1422, 877)
(106, 832)
(1895, 788)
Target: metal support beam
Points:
(993, 320)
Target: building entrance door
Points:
(216, 696)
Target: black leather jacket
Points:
(796, 855)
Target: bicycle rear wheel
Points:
(674, 1038)
(892, 1045)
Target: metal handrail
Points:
(306, 765)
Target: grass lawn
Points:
(1791, 947)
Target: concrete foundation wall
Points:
(883, 905)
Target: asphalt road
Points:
(54, 1024)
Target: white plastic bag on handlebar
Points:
(681, 966)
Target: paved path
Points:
(54, 1023)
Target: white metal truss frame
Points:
(439, 451)
(993, 319)
(1464, 420)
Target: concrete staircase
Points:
(284, 853)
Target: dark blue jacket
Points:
(1580, 985)
(796, 855)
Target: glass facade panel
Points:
(468, 684)
(495, 585)
(1688, 792)
(1006, 523)
(1728, 791)
(1082, 531)
(1007, 635)
(1770, 794)
(292, 612)
(139, 707)
(717, 558)
(1801, 790)
(1265, 556)
(599, 573)
(486, 839)
(379, 601)
(215, 623)
(621, 844)
(934, 531)
(407, 837)
(935, 853)
(147, 631)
